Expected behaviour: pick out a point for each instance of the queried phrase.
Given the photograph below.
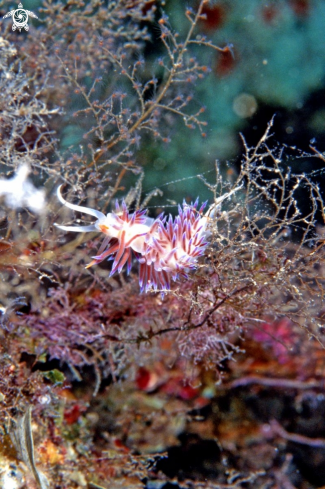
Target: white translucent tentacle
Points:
(215, 207)
(79, 208)
(78, 229)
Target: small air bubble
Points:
(46, 399)
(244, 105)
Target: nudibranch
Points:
(166, 248)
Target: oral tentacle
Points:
(79, 208)
(78, 229)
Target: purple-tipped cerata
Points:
(165, 248)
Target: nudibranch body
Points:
(165, 248)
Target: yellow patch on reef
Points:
(50, 453)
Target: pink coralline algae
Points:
(165, 248)
(280, 337)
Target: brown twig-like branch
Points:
(301, 439)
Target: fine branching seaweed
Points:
(80, 99)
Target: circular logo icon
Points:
(20, 18)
